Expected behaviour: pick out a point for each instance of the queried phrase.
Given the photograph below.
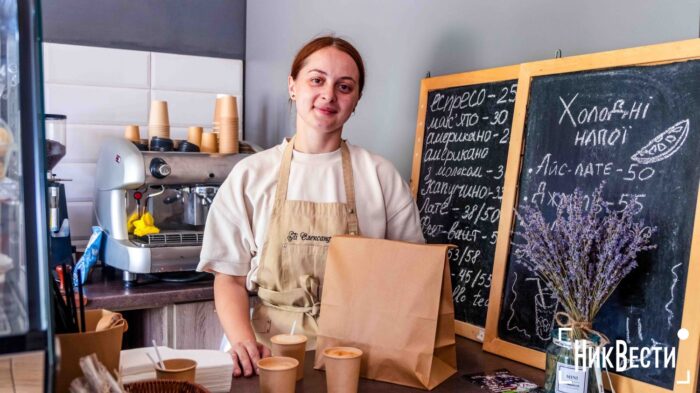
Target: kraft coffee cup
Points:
(342, 369)
(293, 346)
(217, 112)
(132, 133)
(158, 115)
(194, 135)
(161, 144)
(159, 120)
(226, 107)
(209, 143)
(177, 370)
(228, 136)
(277, 374)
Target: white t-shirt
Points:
(236, 226)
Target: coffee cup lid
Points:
(186, 146)
(140, 146)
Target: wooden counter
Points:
(178, 315)
(470, 359)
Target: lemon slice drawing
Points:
(663, 145)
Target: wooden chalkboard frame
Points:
(468, 330)
(687, 360)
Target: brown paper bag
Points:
(393, 300)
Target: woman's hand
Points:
(232, 307)
(245, 356)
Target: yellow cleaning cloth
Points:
(145, 225)
(130, 222)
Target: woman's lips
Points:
(327, 111)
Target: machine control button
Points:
(159, 168)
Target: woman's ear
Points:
(291, 88)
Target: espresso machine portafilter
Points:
(176, 188)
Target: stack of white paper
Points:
(214, 368)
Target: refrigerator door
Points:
(26, 343)
(14, 319)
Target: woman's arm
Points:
(233, 308)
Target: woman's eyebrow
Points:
(325, 73)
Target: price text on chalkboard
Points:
(465, 146)
(637, 128)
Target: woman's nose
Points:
(328, 93)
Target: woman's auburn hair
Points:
(323, 42)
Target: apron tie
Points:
(311, 286)
(311, 311)
(308, 296)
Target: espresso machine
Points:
(176, 188)
(60, 247)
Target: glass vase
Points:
(562, 374)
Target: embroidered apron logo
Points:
(291, 236)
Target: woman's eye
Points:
(345, 88)
(315, 81)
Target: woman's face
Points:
(325, 91)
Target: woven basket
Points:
(165, 386)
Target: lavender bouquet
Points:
(585, 253)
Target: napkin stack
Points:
(214, 368)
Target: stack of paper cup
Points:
(227, 122)
(158, 120)
(194, 135)
(132, 133)
(217, 113)
(208, 143)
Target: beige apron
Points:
(290, 275)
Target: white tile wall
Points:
(170, 72)
(80, 152)
(81, 218)
(101, 90)
(178, 132)
(88, 65)
(97, 105)
(81, 186)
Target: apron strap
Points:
(283, 179)
(348, 180)
(353, 228)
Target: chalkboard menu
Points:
(638, 129)
(464, 151)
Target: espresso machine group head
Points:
(176, 188)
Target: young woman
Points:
(269, 226)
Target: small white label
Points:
(570, 380)
(562, 343)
